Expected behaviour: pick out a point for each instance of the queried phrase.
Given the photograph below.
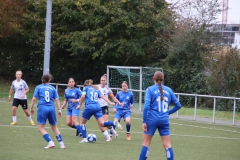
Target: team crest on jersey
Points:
(127, 97)
(73, 94)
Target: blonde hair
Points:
(159, 77)
(89, 82)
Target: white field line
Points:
(194, 136)
(188, 125)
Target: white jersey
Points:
(19, 87)
(105, 91)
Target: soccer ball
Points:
(92, 138)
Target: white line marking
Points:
(194, 136)
(232, 131)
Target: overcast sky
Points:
(233, 11)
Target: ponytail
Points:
(160, 89)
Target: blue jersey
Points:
(45, 93)
(92, 95)
(155, 108)
(126, 98)
(70, 94)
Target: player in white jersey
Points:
(20, 97)
(106, 91)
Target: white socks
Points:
(29, 118)
(14, 118)
(105, 133)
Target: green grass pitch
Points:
(190, 140)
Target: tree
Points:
(123, 30)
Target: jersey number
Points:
(47, 96)
(94, 96)
(164, 106)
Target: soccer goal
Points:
(138, 78)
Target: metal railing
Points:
(182, 94)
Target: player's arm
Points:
(24, 93)
(10, 94)
(145, 110)
(107, 100)
(64, 103)
(131, 101)
(81, 99)
(32, 104)
(115, 99)
(177, 104)
(59, 107)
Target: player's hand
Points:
(32, 111)
(59, 113)
(62, 107)
(121, 104)
(9, 99)
(23, 95)
(78, 107)
(114, 110)
(144, 127)
(131, 106)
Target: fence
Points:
(182, 94)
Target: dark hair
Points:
(89, 82)
(125, 82)
(159, 77)
(46, 78)
(75, 84)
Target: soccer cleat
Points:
(128, 136)
(62, 146)
(109, 139)
(13, 123)
(84, 140)
(118, 125)
(32, 123)
(116, 135)
(50, 145)
(79, 135)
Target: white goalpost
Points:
(138, 78)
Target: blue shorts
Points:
(163, 129)
(73, 112)
(122, 114)
(46, 113)
(92, 109)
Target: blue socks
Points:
(47, 137)
(111, 130)
(83, 131)
(128, 126)
(144, 153)
(59, 138)
(78, 127)
(108, 123)
(169, 154)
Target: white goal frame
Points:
(140, 78)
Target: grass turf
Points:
(190, 140)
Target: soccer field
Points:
(190, 141)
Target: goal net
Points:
(138, 78)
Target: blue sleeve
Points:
(131, 100)
(146, 105)
(99, 93)
(35, 94)
(177, 104)
(85, 89)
